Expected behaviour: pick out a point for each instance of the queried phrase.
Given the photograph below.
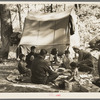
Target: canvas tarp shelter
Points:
(47, 31)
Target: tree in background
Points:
(13, 16)
(19, 12)
(6, 29)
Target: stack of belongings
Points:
(63, 82)
(66, 81)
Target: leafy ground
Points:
(89, 25)
(9, 87)
(88, 21)
(6, 86)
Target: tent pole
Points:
(54, 33)
(38, 31)
(64, 7)
(44, 8)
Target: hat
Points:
(75, 47)
(21, 56)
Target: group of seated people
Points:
(42, 70)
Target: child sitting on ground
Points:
(66, 60)
(53, 56)
(22, 66)
(60, 57)
(74, 70)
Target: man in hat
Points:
(41, 72)
(30, 56)
(85, 60)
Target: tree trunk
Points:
(19, 12)
(6, 29)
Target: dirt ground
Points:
(6, 86)
(8, 67)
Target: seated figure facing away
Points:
(30, 56)
(22, 66)
(41, 72)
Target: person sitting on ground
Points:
(74, 70)
(99, 66)
(66, 60)
(60, 57)
(53, 56)
(30, 56)
(85, 60)
(22, 66)
(97, 80)
(41, 72)
(55, 59)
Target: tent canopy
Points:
(51, 30)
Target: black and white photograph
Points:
(49, 47)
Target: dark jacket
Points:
(85, 58)
(28, 61)
(40, 70)
(83, 55)
(99, 66)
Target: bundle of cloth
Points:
(67, 79)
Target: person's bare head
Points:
(43, 52)
(33, 49)
(54, 51)
(22, 57)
